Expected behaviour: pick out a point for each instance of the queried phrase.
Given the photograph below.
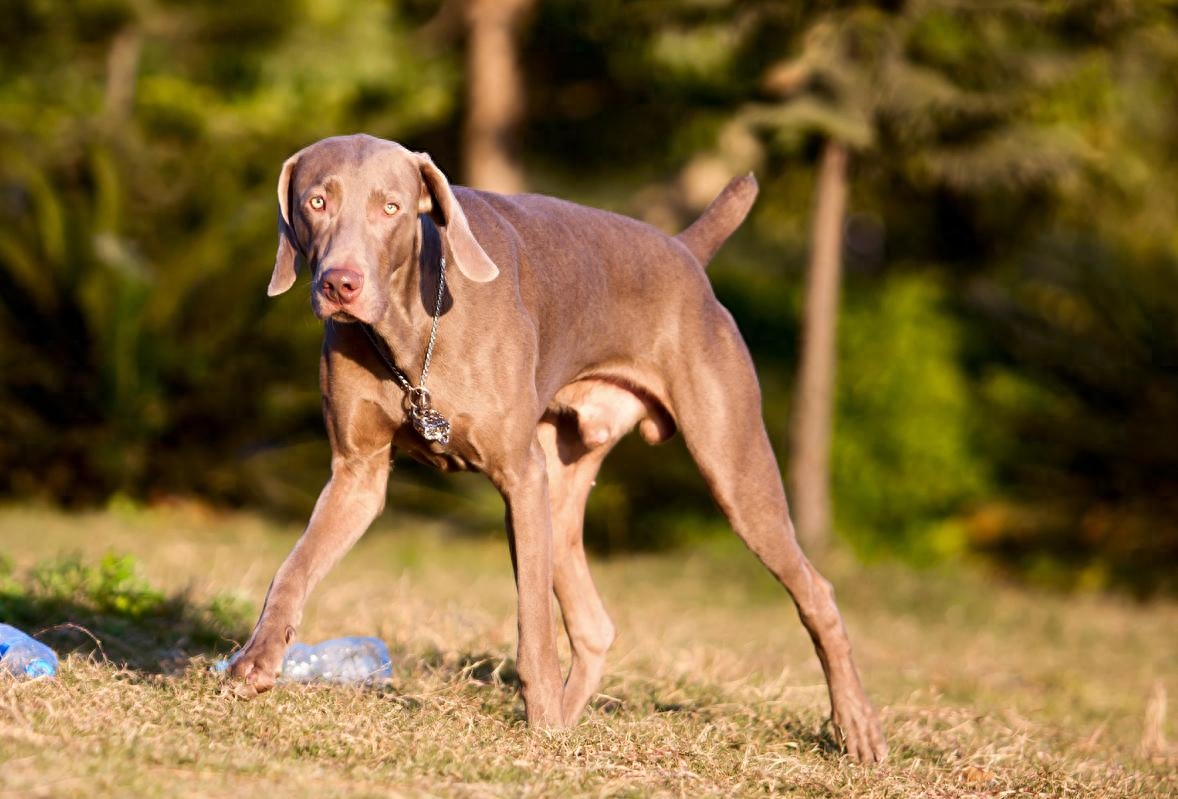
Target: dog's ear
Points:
(286, 262)
(439, 202)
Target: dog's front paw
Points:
(255, 668)
(857, 729)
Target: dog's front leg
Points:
(524, 486)
(347, 505)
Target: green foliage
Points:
(112, 587)
(906, 462)
(111, 607)
(1087, 398)
(139, 351)
(139, 144)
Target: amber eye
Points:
(317, 202)
(391, 208)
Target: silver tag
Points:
(431, 424)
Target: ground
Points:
(985, 688)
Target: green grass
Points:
(985, 689)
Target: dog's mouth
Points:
(328, 311)
(351, 313)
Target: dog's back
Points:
(584, 275)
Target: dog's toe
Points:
(254, 671)
(858, 730)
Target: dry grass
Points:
(713, 689)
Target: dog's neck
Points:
(413, 293)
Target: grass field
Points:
(985, 689)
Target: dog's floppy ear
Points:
(286, 262)
(439, 202)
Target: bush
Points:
(1086, 398)
(905, 464)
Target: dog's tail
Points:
(720, 218)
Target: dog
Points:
(548, 330)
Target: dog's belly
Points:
(598, 410)
(605, 410)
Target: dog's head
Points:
(348, 206)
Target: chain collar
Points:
(430, 424)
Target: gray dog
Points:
(547, 331)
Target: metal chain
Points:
(426, 420)
(388, 362)
(433, 331)
(429, 348)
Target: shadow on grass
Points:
(485, 668)
(109, 612)
(498, 672)
(794, 727)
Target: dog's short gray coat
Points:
(563, 328)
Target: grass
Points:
(986, 689)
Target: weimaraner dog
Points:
(559, 329)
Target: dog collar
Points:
(426, 419)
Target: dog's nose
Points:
(341, 285)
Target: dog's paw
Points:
(252, 673)
(254, 670)
(857, 729)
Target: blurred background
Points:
(960, 282)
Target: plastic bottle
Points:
(355, 659)
(24, 656)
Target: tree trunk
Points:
(812, 422)
(495, 96)
(122, 72)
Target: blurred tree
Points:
(864, 80)
(138, 143)
(842, 104)
(1088, 395)
(494, 94)
(977, 125)
(1080, 321)
(814, 400)
(1008, 181)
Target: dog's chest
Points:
(454, 457)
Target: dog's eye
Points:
(317, 202)
(391, 208)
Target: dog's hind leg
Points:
(717, 404)
(588, 625)
(575, 445)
